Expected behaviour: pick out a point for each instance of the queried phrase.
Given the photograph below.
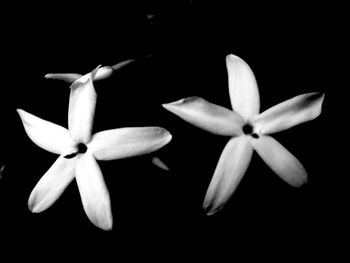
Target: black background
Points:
(292, 50)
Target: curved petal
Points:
(160, 164)
(128, 142)
(47, 135)
(280, 160)
(207, 116)
(67, 77)
(127, 62)
(81, 112)
(3, 168)
(93, 192)
(102, 73)
(231, 167)
(289, 113)
(244, 93)
(52, 184)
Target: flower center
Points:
(248, 130)
(82, 148)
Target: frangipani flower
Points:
(79, 151)
(104, 73)
(249, 130)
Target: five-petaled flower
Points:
(79, 150)
(249, 130)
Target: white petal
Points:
(159, 163)
(67, 77)
(244, 93)
(93, 192)
(47, 135)
(280, 160)
(128, 142)
(2, 170)
(207, 116)
(127, 62)
(52, 184)
(122, 64)
(231, 167)
(289, 113)
(102, 73)
(81, 112)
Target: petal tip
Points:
(105, 225)
(232, 57)
(210, 210)
(299, 182)
(172, 104)
(175, 104)
(21, 113)
(33, 206)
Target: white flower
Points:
(79, 150)
(104, 73)
(249, 130)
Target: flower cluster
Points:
(79, 149)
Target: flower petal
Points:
(127, 62)
(127, 142)
(231, 167)
(52, 184)
(207, 116)
(160, 164)
(289, 113)
(244, 93)
(280, 160)
(3, 168)
(93, 192)
(67, 77)
(47, 135)
(102, 73)
(82, 103)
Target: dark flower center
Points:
(82, 148)
(248, 130)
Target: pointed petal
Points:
(289, 113)
(2, 170)
(280, 160)
(47, 135)
(127, 62)
(231, 167)
(122, 64)
(81, 112)
(93, 192)
(128, 142)
(207, 116)
(52, 184)
(102, 73)
(160, 164)
(67, 77)
(243, 88)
